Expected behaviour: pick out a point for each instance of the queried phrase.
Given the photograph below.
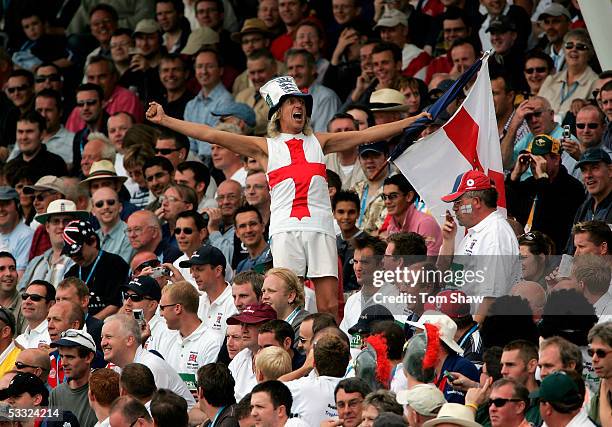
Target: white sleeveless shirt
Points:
(298, 185)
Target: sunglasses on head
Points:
(601, 353)
(499, 402)
(17, 88)
(532, 70)
(187, 230)
(134, 297)
(578, 46)
(50, 77)
(100, 203)
(589, 125)
(33, 297)
(88, 102)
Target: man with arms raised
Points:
(295, 166)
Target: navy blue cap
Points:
(371, 314)
(24, 382)
(144, 286)
(8, 193)
(236, 109)
(207, 254)
(377, 147)
(75, 234)
(593, 155)
(501, 24)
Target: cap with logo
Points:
(392, 18)
(75, 234)
(61, 207)
(251, 26)
(501, 24)
(8, 193)
(593, 155)
(205, 255)
(75, 338)
(376, 147)
(102, 169)
(45, 183)
(426, 399)
(25, 382)
(369, 315)
(544, 144)
(146, 26)
(144, 286)
(253, 315)
(236, 109)
(558, 387)
(469, 181)
(554, 9)
(278, 89)
(451, 304)
(200, 37)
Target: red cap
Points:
(449, 305)
(253, 314)
(469, 181)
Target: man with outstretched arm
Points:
(293, 156)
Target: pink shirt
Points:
(121, 99)
(421, 223)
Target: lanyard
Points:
(565, 94)
(217, 416)
(470, 332)
(364, 204)
(292, 315)
(92, 268)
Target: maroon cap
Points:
(450, 302)
(469, 181)
(253, 314)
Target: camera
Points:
(567, 133)
(160, 271)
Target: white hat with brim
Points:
(200, 37)
(454, 413)
(445, 324)
(102, 169)
(392, 18)
(278, 89)
(387, 100)
(61, 207)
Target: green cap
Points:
(544, 144)
(558, 387)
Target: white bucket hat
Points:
(276, 90)
(454, 413)
(448, 328)
(63, 207)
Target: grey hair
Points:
(581, 35)
(128, 326)
(108, 151)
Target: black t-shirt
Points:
(110, 273)
(44, 163)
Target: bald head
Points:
(141, 257)
(533, 293)
(144, 231)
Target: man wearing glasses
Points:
(20, 90)
(508, 403)
(173, 146)
(37, 299)
(143, 293)
(77, 350)
(107, 209)
(145, 234)
(600, 350)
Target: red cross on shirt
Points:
(301, 172)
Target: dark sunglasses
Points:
(88, 102)
(50, 77)
(187, 230)
(17, 88)
(601, 354)
(33, 297)
(21, 365)
(499, 402)
(578, 46)
(391, 196)
(589, 125)
(134, 297)
(100, 203)
(41, 196)
(532, 70)
(166, 151)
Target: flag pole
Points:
(423, 121)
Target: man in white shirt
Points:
(271, 403)
(103, 390)
(242, 366)
(207, 266)
(593, 276)
(122, 344)
(188, 343)
(37, 299)
(190, 231)
(490, 247)
(143, 293)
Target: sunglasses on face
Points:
(17, 88)
(499, 402)
(532, 70)
(166, 151)
(33, 297)
(589, 125)
(100, 203)
(88, 102)
(187, 230)
(41, 196)
(390, 196)
(21, 365)
(134, 297)
(50, 77)
(579, 46)
(601, 353)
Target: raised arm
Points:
(250, 146)
(334, 142)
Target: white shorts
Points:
(308, 254)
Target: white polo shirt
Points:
(31, 338)
(216, 313)
(243, 371)
(491, 249)
(158, 327)
(185, 272)
(187, 354)
(165, 376)
(313, 398)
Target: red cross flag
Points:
(469, 140)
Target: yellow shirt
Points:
(8, 358)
